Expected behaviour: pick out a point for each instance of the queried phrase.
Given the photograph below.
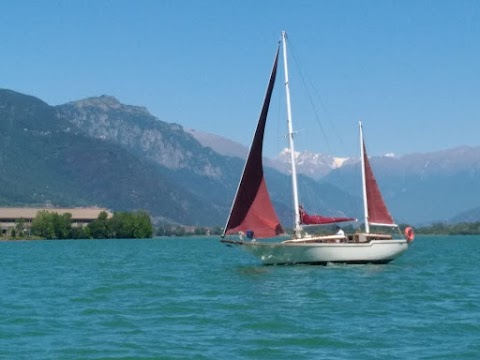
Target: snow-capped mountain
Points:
(309, 163)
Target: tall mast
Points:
(297, 228)
(364, 179)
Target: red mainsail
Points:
(252, 208)
(377, 209)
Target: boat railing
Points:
(362, 237)
(353, 238)
(318, 239)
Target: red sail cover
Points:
(320, 220)
(377, 210)
(252, 208)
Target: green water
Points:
(186, 298)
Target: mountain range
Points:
(98, 151)
(419, 188)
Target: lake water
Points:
(194, 298)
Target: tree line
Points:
(464, 228)
(122, 225)
(179, 230)
(138, 225)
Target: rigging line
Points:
(312, 103)
(310, 99)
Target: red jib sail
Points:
(252, 208)
(377, 209)
(319, 219)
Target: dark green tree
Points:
(62, 225)
(134, 225)
(20, 226)
(122, 225)
(143, 227)
(80, 232)
(42, 225)
(51, 225)
(100, 228)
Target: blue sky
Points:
(410, 70)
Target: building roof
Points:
(30, 213)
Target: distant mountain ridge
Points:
(98, 151)
(219, 144)
(46, 156)
(135, 128)
(308, 163)
(422, 187)
(419, 188)
(311, 164)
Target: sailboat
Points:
(253, 218)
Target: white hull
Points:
(375, 251)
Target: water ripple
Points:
(194, 298)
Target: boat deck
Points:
(351, 238)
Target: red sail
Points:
(319, 219)
(377, 210)
(252, 208)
